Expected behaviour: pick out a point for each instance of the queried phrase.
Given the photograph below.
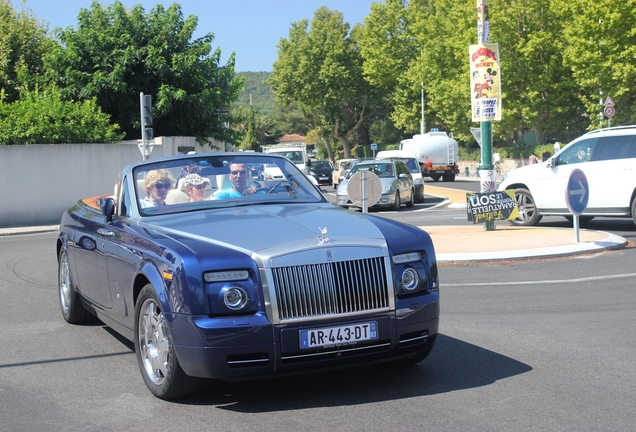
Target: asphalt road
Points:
(541, 345)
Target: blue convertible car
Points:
(214, 273)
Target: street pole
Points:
(486, 173)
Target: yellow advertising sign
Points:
(488, 206)
(485, 82)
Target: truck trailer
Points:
(437, 154)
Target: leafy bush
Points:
(41, 117)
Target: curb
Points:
(611, 242)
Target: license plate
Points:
(324, 178)
(342, 335)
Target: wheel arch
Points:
(149, 274)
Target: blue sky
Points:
(250, 28)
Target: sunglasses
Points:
(163, 185)
(241, 172)
(201, 186)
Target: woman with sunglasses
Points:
(157, 185)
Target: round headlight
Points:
(235, 298)
(410, 279)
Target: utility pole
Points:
(486, 96)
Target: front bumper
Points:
(242, 347)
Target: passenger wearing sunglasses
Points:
(239, 177)
(157, 185)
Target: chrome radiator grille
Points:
(319, 290)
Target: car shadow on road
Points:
(453, 365)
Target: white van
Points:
(409, 159)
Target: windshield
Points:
(204, 182)
(381, 169)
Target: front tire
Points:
(155, 351)
(634, 210)
(528, 214)
(73, 310)
(397, 204)
(411, 202)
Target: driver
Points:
(238, 176)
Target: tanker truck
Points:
(436, 152)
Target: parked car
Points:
(342, 165)
(396, 179)
(322, 171)
(607, 157)
(278, 281)
(414, 167)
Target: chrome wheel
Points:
(154, 349)
(71, 305)
(528, 214)
(154, 343)
(64, 284)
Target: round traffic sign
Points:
(364, 185)
(577, 192)
(609, 111)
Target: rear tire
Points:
(634, 210)
(449, 177)
(435, 177)
(528, 214)
(154, 349)
(73, 310)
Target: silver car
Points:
(396, 179)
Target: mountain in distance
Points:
(262, 95)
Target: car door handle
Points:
(105, 232)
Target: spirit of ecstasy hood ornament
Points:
(322, 238)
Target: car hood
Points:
(522, 174)
(255, 228)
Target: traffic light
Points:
(146, 111)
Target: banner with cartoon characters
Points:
(485, 82)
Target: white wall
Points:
(38, 182)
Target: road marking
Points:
(577, 280)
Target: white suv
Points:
(607, 157)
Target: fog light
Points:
(235, 298)
(410, 279)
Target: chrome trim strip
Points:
(239, 362)
(414, 339)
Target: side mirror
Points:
(551, 162)
(107, 206)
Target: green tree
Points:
(539, 92)
(599, 46)
(42, 117)
(115, 53)
(321, 68)
(255, 128)
(23, 42)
